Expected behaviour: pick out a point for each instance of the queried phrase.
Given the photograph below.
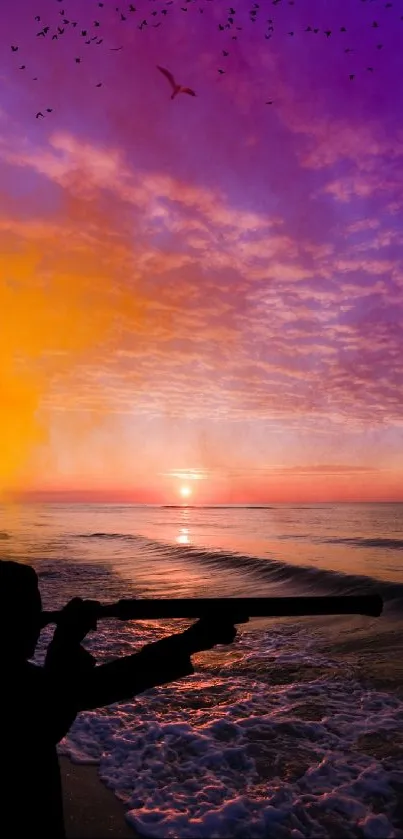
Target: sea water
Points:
(295, 730)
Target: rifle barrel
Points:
(237, 609)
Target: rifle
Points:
(234, 609)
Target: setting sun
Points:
(185, 491)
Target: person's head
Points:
(20, 611)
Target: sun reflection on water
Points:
(183, 537)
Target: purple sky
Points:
(227, 274)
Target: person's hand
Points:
(208, 632)
(77, 619)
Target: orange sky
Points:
(203, 293)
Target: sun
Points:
(185, 491)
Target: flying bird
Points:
(177, 88)
(39, 114)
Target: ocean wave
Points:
(364, 542)
(309, 579)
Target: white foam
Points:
(226, 752)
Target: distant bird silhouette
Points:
(177, 88)
(14, 49)
(39, 114)
(99, 84)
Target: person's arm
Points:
(67, 664)
(65, 657)
(119, 680)
(156, 664)
(86, 686)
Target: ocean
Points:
(295, 730)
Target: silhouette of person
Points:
(39, 704)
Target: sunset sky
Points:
(205, 292)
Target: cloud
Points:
(212, 309)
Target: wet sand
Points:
(91, 810)
(373, 654)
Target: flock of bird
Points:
(93, 34)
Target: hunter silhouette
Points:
(39, 704)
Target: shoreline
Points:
(372, 653)
(91, 810)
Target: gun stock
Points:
(237, 609)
